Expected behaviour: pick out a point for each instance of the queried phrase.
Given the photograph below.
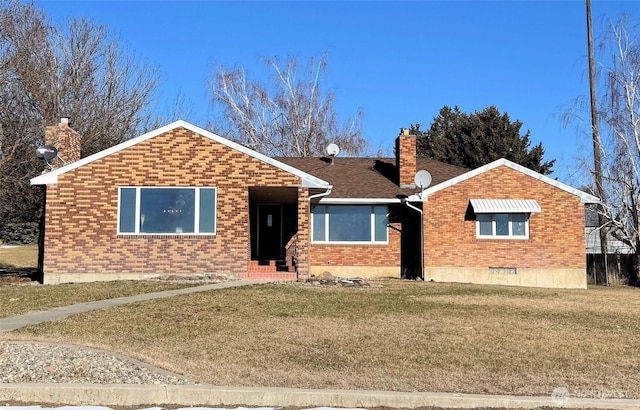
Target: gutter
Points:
(366, 201)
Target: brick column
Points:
(304, 233)
(406, 159)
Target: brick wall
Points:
(81, 211)
(359, 255)
(556, 234)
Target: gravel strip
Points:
(26, 362)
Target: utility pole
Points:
(597, 145)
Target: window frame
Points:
(372, 216)
(510, 235)
(196, 218)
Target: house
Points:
(615, 246)
(181, 200)
(616, 266)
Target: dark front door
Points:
(270, 231)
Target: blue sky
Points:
(398, 62)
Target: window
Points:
(349, 223)
(180, 210)
(502, 226)
(503, 218)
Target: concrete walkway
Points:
(9, 324)
(193, 395)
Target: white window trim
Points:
(504, 237)
(367, 243)
(196, 200)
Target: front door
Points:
(269, 231)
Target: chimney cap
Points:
(404, 131)
(64, 120)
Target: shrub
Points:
(19, 233)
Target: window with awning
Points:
(503, 218)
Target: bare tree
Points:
(290, 116)
(78, 71)
(101, 86)
(24, 54)
(620, 114)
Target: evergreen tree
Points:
(473, 140)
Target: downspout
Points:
(321, 194)
(407, 203)
(41, 243)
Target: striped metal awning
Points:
(505, 206)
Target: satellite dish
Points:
(47, 152)
(422, 179)
(333, 150)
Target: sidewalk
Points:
(9, 324)
(207, 395)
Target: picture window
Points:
(167, 210)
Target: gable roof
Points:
(585, 198)
(368, 178)
(308, 180)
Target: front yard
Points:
(393, 335)
(22, 296)
(19, 256)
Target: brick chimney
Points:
(406, 159)
(65, 139)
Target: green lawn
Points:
(393, 335)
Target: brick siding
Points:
(304, 234)
(556, 239)
(406, 160)
(359, 255)
(66, 140)
(81, 213)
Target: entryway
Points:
(273, 213)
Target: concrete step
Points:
(269, 274)
(271, 266)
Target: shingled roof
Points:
(368, 177)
